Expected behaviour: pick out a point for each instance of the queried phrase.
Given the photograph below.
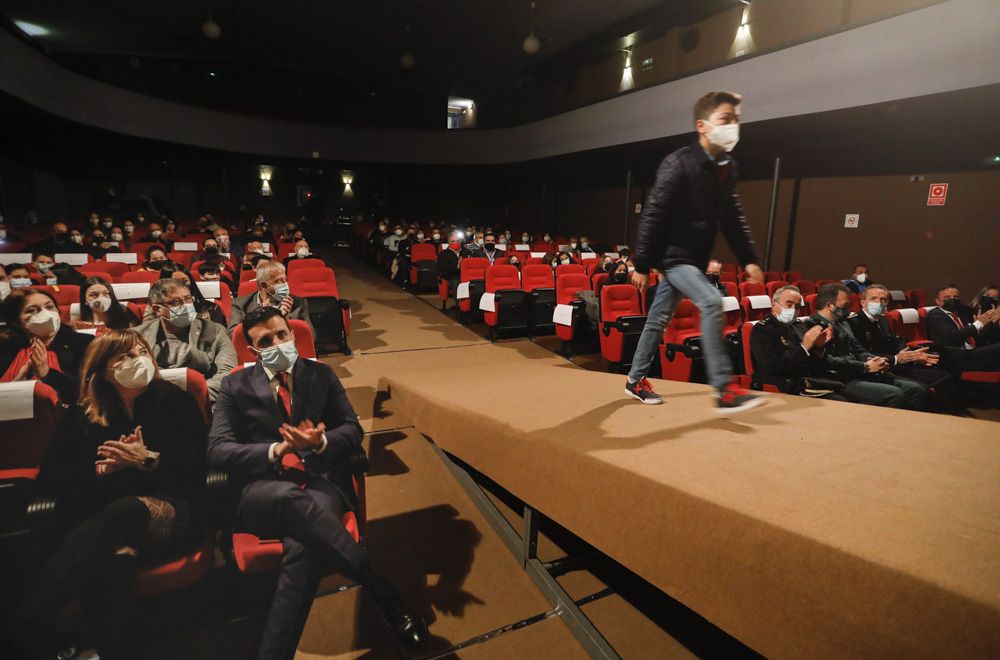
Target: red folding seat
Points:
(791, 275)
(224, 299)
(566, 269)
(728, 277)
(731, 289)
(505, 295)
(296, 264)
(821, 283)
(590, 267)
(805, 287)
(184, 258)
(917, 298)
(811, 302)
(149, 276)
(752, 289)
(756, 308)
(247, 275)
(772, 276)
(304, 342)
(734, 269)
(597, 279)
(567, 287)
(284, 250)
(246, 287)
(748, 381)
(774, 285)
(538, 283)
(472, 274)
(855, 303)
(542, 246)
(26, 435)
(112, 268)
(897, 299)
(331, 314)
(910, 324)
(193, 383)
(621, 324)
(140, 248)
(423, 266)
(681, 342)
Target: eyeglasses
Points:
(178, 302)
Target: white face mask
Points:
(724, 136)
(135, 373)
(129, 229)
(547, 238)
(420, 236)
(302, 252)
(398, 232)
(786, 315)
(875, 309)
(101, 304)
(116, 237)
(524, 238)
(44, 323)
(861, 277)
(76, 238)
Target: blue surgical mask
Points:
(20, 282)
(787, 315)
(183, 315)
(43, 268)
(280, 357)
(279, 291)
(875, 308)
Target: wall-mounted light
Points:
(627, 81)
(347, 177)
(743, 43)
(266, 172)
(531, 43)
(31, 29)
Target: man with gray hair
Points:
(177, 337)
(272, 291)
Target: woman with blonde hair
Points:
(127, 467)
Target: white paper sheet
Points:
(15, 258)
(17, 400)
(501, 247)
(210, 290)
(537, 255)
(185, 246)
(122, 257)
(463, 291)
(522, 247)
(613, 255)
(563, 315)
(730, 304)
(896, 294)
(909, 315)
(88, 331)
(488, 303)
(621, 247)
(564, 247)
(759, 302)
(131, 290)
(176, 376)
(71, 258)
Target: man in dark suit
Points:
(873, 332)
(963, 337)
(714, 274)
(283, 429)
(448, 262)
(272, 291)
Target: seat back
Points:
(148, 276)
(473, 268)
(732, 315)
(791, 275)
(296, 264)
(756, 308)
(423, 252)
(618, 301)
(33, 412)
(568, 284)
(184, 258)
(908, 323)
(597, 279)
(141, 248)
(313, 283)
(811, 302)
(502, 277)
(566, 269)
(774, 286)
(731, 289)
(246, 287)
(304, 342)
(113, 268)
(772, 276)
(537, 276)
(748, 289)
(220, 294)
(855, 303)
(897, 299)
(192, 382)
(684, 323)
(806, 287)
(246, 275)
(917, 298)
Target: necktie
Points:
(284, 396)
(969, 342)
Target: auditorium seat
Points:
(772, 276)
(821, 283)
(141, 248)
(113, 269)
(811, 302)
(26, 433)
(245, 288)
(749, 380)
(621, 324)
(473, 271)
(726, 276)
(423, 266)
(681, 343)
(330, 314)
(774, 285)
(805, 287)
(284, 251)
(910, 324)
(752, 289)
(731, 289)
(510, 312)
(538, 282)
(247, 275)
(184, 258)
(791, 275)
(855, 303)
(917, 298)
(567, 287)
(192, 382)
(590, 266)
(897, 299)
(296, 264)
(148, 276)
(225, 298)
(756, 308)
(304, 342)
(567, 269)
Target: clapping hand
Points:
(286, 305)
(127, 451)
(39, 358)
(304, 436)
(917, 355)
(876, 365)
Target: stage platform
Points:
(806, 528)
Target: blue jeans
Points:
(689, 282)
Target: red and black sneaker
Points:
(643, 391)
(733, 400)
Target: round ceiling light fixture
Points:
(211, 29)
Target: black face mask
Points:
(841, 313)
(952, 305)
(158, 264)
(490, 247)
(211, 250)
(60, 236)
(986, 303)
(713, 278)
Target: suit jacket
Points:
(243, 305)
(447, 264)
(69, 347)
(211, 351)
(778, 356)
(247, 417)
(942, 330)
(876, 336)
(843, 356)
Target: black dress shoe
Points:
(409, 629)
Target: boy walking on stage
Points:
(694, 196)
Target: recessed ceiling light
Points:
(31, 29)
(211, 74)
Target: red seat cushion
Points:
(256, 555)
(176, 574)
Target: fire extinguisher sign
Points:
(937, 194)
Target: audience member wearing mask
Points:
(964, 336)
(448, 262)
(301, 251)
(177, 337)
(787, 354)
(272, 291)
(873, 332)
(475, 245)
(391, 242)
(63, 273)
(284, 429)
(584, 246)
(117, 235)
(435, 237)
(38, 346)
(44, 262)
(617, 274)
(18, 275)
(59, 242)
(399, 269)
(156, 259)
(4, 285)
(228, 245)
(253, 249)
(127, 465)
(100, 245)
(866, 376)
(100, 308)
(714, 274)
(514, 261)
(76, 238)
(205, 309)
(987, 299)
(490, 250)
(526, 239)
(563, 259)
(155, 234)
(93, 221)
(860, 279)
(574, 245)
(210, 271)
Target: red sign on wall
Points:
(937, 194)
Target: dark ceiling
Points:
(335, 61)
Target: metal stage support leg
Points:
(525, 547)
